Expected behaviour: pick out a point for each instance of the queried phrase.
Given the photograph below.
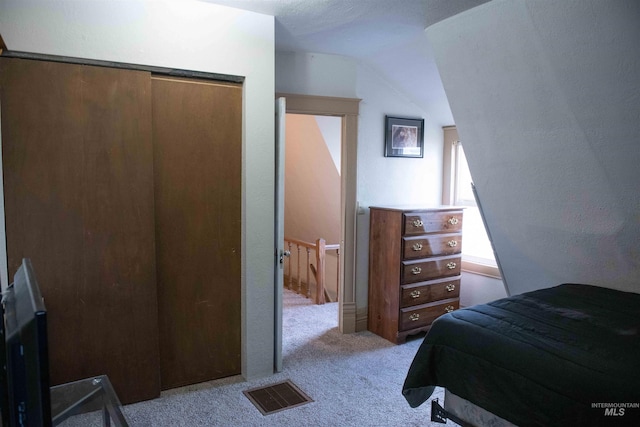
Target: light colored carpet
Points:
(354, 380)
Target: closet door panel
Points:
(197, 134)
(78, 170)
(119, 227)
(42, 167)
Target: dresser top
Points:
(418, 208)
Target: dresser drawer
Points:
(434, 290)
(430, 245)
(423, 315)
(431, 268)
(432, 222)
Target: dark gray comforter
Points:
(567, 355)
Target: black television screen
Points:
(27, 361)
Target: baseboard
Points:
(348, 319)
(362, 319)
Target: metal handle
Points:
(414, 317)
(418, 223)
(451, 265)
(284, 254)
(415, 294)
(449, 308)
(452, 243)
(416, 270)
(451, 287)
(453, 220)
(417, 247)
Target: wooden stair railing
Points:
(320, 247)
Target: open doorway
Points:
(347, 110)
(312, 217)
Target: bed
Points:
(566, 355)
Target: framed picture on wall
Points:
(404, 137)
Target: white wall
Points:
(331, 129)
(380, 180)
(315, 74)
(479, 289)
(546, 97)
(195, 36)
(390, 180)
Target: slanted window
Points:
(477, 252)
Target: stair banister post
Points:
(320, 261)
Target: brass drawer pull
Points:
(418, 223)
(451, 287)
(451, 265)
(453, 220)
(417, 270)
(415, 294)
(414, 317)
(452, 243)
(417, 247)
(449, 308)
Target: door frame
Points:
(347, 109)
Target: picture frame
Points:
(404, 137)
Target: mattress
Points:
(567, 355)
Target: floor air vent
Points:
(277, 397)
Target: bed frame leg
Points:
(440, 415)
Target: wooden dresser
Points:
(414, 268)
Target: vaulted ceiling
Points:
(386, 35)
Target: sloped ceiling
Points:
(386, 35)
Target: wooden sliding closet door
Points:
(78, 185)
(197, 133)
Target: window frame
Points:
(450, 156)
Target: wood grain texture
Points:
(197, 129)
(384, 272)
(433, 290)
(432, 222)
(430, 245)
(423, 315)
(430, 268)
(414, 264)
(77, 160)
